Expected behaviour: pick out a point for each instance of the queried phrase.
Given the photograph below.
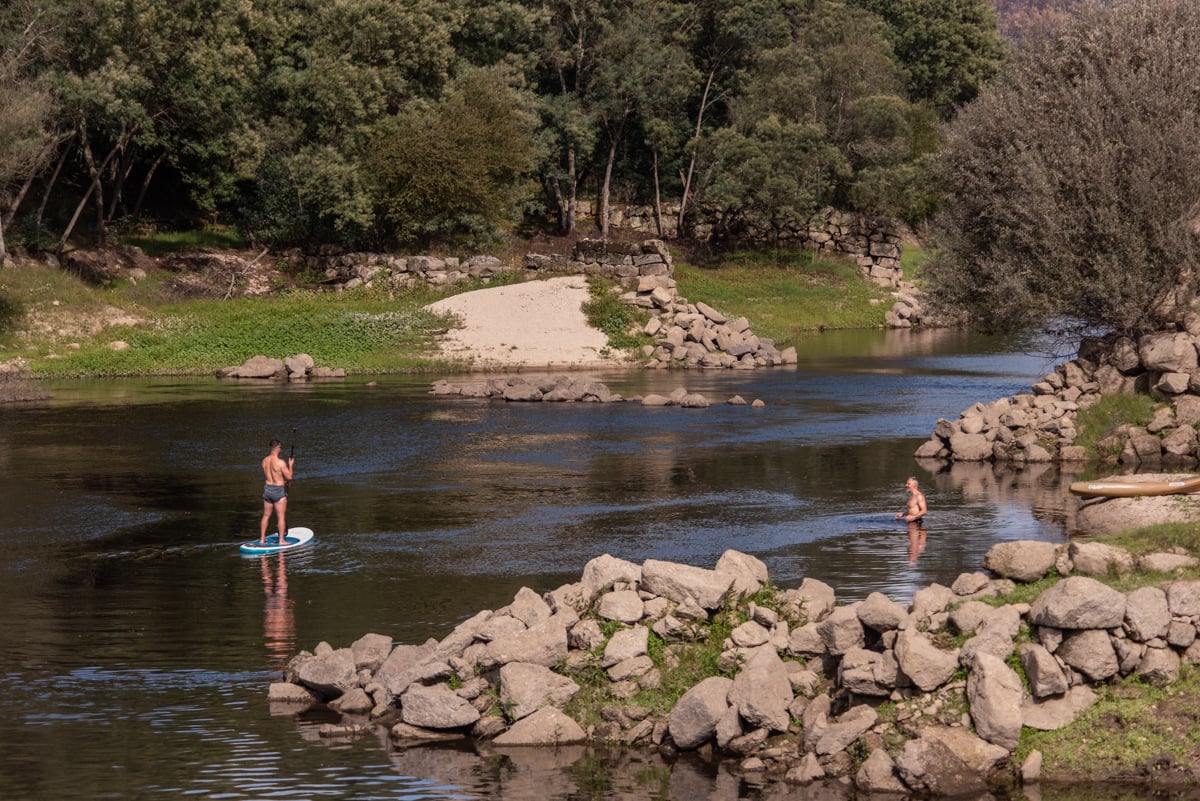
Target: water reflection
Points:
(279, 613)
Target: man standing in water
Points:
(915, 508)
(277, 473)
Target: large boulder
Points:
(524, 689)
(1021, 560)
(330, 672)
(544, 644)
(693, 720)
(1079, 602)
(1147, 615)
(948, 762)
(926, 665)
(994, 691)
(547, 726)
(1101, 516)
(708, 588)
(1098, 559)
(1167, 352)
(749, 573)
(436, 707)
(842, 630)
(1090, 652)
(602, 572)
(762, 691)
(1051, 714)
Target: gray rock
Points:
(927, 666)
(370, 650)
(1167, 352)
(585, 636)
(1159, 666)
(544, 644)
(693, 720)
(806, 641)
(1021, 560)
(259, 367)
(761, 692)
(969, 617)
(1146, 614)
(1183, 598)
(353, 701)
(529, 608)
(969, 583)
(436, 707)
(750, 635)
(678, 582)
(948, 762)
(995, 636)
(863, 672)
(994, 692)
(880, 613)
(547, 726)
(1051, 714)
(409, 663)
(625, 644)
(1098, 559)
(630, 668)
(1046, 676)
(970, 447)
(287, 693)
(624, 606)
(878, 774)
(842, 630)
(930, 601)
(840, 733)
(749, 572)
(330, 673)
(1090, 652)
(406, 732)
(816, 599)
(602, 572)
(1167, 562)
(524, 689)
(808, 771)
(1079, 602)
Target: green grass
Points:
(1098, 421)
(161, 244)
(786, 293)
(606, 312)
(1127, 728)
(364, 330)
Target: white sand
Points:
(532, 324)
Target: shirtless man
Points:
(915, 508)
(277, 473)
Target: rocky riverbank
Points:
(931, 697)
(1040, 425)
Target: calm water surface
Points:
(138, 643)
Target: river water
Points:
(138, 643)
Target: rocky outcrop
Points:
(565, 389)
(797, 677)
(293, 368)
(1040, 425)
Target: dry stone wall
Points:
(800, 675)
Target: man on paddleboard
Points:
(277, 473)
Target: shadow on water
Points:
(141, 642)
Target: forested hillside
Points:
(373, 123)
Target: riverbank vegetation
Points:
(61, 325)
(374, 126)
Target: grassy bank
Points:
(62, 326)
(785, 293)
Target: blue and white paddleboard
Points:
(294, 539)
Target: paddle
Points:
(291, 455)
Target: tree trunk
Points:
(614, 139)
(19, 198)
(37, 222)
(687, 180)
(572, 188)
(83, 201)
(122, 175)
(658, 215)
(3, 252)
(137, 207)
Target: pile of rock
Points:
(351, 270)
(1039, 426)
(808, 674)
(294, 368)
(566, 389)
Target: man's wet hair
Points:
(273, 443)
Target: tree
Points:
(457, 168)
(1071, 183)
(949, 48)
(25, 109)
